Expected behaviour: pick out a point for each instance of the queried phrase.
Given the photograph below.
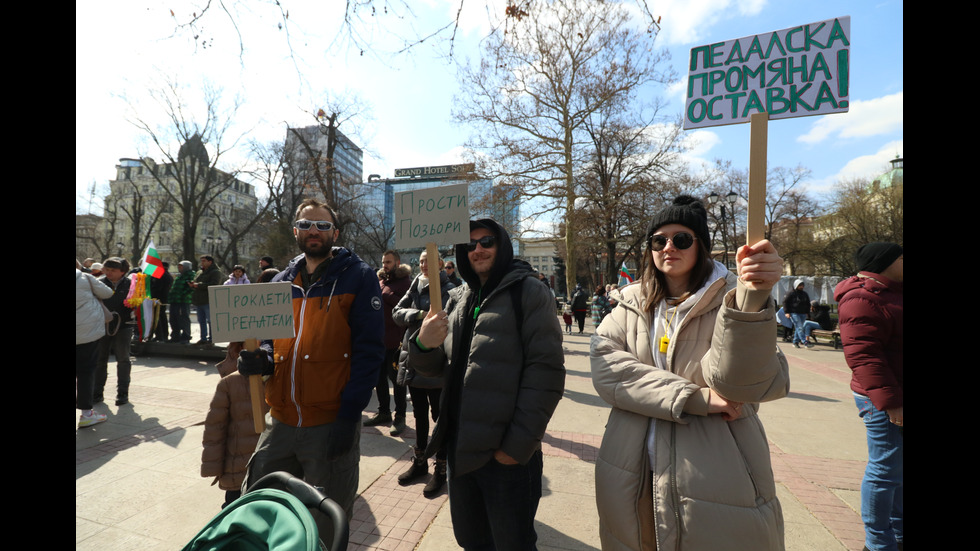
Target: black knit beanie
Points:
(877, 257)
(687, 211)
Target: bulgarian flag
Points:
(152, 264)
(624, 275)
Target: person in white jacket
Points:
(89, 328)
(684, 359)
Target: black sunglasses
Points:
(487, 242)
(681, 240)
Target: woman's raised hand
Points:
(759, 265)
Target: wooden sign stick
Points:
(759, 144)
(435, 291)
(756, 223)
(255, 389)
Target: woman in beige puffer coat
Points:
(684, 462)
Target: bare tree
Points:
(372, 235)
(271, 168)
(792, 233)
(142, 208)
(312, 158)
(788, 211)
(192, 141)
(860, 212)
(634, 168)
(311, 153)
(363, 25)
(784, 190)
(97, 236)
(239, 225)
(538, 84)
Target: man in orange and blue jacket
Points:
(322, 378)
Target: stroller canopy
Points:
(260, 520)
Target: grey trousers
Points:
(118, 345)
(299, 452)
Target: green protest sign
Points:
(437, 215)
(258, 310)
(795, 72)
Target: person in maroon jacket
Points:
(871, 322)
(395, 279)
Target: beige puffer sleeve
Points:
(623, 372)
(744, 364)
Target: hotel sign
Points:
(444, 171)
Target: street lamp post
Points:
(730, 198)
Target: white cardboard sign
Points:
(795, 72)
(437, 215)
(257, 310)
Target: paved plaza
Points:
(138, 483)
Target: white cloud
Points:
(865, 119)
(862, 167)
(869, 166)
(687, 22)
(700, 142)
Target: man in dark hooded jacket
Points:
(499, 333)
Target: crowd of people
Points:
(680, 356)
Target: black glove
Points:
(341, 438)
(255, 363)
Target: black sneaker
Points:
(398, 426)
(378, 419)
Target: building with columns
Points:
(141, 206)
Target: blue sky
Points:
(122, 46)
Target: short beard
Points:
(325, 252)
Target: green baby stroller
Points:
(267, 517)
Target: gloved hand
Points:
(255, 363)
(341, 438)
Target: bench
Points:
(833, 335)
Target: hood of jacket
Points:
(632, 295)
(502, 264)
(342, 259)
(401, 271)
(871, 282)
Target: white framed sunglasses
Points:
(321, 225)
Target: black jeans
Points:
(493, 507)
(180, 322)
(389, 372)
(162, 330)
(86, 359)
(422, 400)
